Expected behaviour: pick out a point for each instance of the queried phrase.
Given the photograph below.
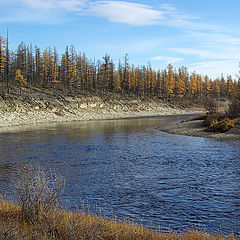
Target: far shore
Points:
(195, 129)
(40, 118)
(22, 111)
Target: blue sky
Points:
(202, 35)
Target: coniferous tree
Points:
(170, 81)
(19, 79)
(2, 57)
(75, 72)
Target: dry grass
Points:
(74, 225)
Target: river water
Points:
(130, 169)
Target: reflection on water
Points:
(130, 168)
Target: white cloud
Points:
(167, 59)
(214, 69)
(143, 14)
(125, 12)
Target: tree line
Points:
(29, 66)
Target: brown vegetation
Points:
(58, 224)
(220, 126)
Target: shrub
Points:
(222, 126)
(38, 193)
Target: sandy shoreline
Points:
(195, 129)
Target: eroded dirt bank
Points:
(34, 106)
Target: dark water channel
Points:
(128, 168)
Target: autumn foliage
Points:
(74, 72)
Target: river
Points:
(130, 169)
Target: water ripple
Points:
(129, 169)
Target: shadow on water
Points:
(130, 169)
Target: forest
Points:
(73, 71)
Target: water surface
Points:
(129, 168)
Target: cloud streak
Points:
(125, 12)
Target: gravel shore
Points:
(194, 128)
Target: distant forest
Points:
(73, 71)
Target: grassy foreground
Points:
(57, 224)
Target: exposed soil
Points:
(41, 106)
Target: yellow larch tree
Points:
(19, 79)
(180, 83)
(48, 67)
(64, 70)
(216, 88)
(193, 83)
(229, 87)
(57, 79)
(234, 93)
(71, 74)
(208, 85)
(117, 83)
(131, 79)
(125, 79)
(222, 85)
(170, 81)
(2, 56)
(38, 67)
(199, 85)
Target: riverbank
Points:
(35, 106)
(75, 225)
(196, 129)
